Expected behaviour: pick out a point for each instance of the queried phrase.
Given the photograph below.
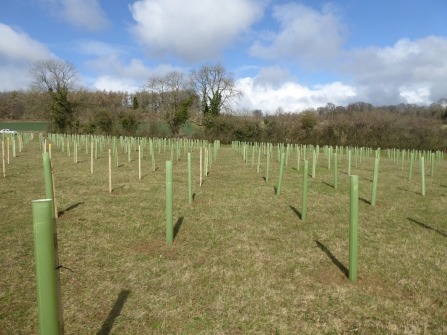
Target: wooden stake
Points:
(56, 214)
(200, 182)
(139, 162)
(91, 158)
(3, 159)
(7, 147)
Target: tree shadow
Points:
(365, 201)
(426, 226)
(332, 258)
(114, 313)
(69, 208)
(275, 189)
(177, 226)
(297, 212)
(193, 196)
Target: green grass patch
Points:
(24, 126)
(242, 261)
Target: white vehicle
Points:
(7, 131)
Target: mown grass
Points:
(242, 261)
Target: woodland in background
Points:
(358, 124)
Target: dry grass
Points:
(242, 261)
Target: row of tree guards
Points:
(10, 144)
(353, 156)
(45, 210)
(284, 153)
(72, 144)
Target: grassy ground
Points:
(242, 261)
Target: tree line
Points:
(204, 97)
(174, 98)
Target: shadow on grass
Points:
(333, 259)
(426, 226)
(177, 226)
(403, 189)
(69, 209)
(365, 201)
(193, 196)
(297, 212)
(114, 313)
(328, 184)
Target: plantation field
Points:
(242, 260)
(24, 126)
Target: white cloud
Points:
(18, 46)
(193, 30)
(408, 72)
(292, 96)
(17, 53)
(109, 83)
(112, 73)
(273, 75)
(84, 14)
(305, 34)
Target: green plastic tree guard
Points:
(47, 297)
(304, 195)
(267, 166)
(335, 170)
(375, 181)
(353, 227)
(281, 171)
(349, 162)
(189, 179)
(48, 177)
(169, 203)
(410, 170)
(422, 163)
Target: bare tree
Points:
(51, 74)
(57, 78)
(216, 88)
(170, 95)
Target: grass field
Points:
(242, 261)
(187, 129)
(24, 126)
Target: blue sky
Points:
(293, 54)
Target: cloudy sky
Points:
(293, 54)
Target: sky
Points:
(290, 54)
